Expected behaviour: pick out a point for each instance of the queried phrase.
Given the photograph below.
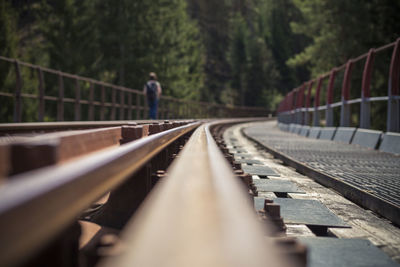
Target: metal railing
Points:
(71, 97)
(297, 108)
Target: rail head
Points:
(199, 215)
(30, 213)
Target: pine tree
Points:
(8, 44)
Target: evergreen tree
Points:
(214, 22)
(154, 36)
(283, 42)
(8, 44)
(70, 35)
(342, 29)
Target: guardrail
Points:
(80, 98)
(297, 108)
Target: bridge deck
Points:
(369, 176)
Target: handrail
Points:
(296, 114)
(30, 213)
(169, 107)
(199, 215)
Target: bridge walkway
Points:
(368, 177)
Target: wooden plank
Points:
(4, 161)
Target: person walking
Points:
(152, 90)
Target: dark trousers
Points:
(153, 103)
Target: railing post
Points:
(113, 99)
(393, 116)
(77, 100)
(292, 106)
(307, 118)
(103, 101)
(300, 104)
(91, 102)
(345, 108)
(129, 105)
(41, 95)
(60, 103)
(18, 88)
(137, 106)
(286, 109)
(122, 104)
(365, 110)
(297, 105)
(329, 99)
(316, 101)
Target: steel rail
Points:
(36, 206)
(199, 215)
(7, 128)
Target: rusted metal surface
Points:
(7, 129)
(36, 206)
(28, 153)
(198, 216)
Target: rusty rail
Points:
(199, 212)
(198, 216)
(36, 206)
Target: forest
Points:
(234, 52)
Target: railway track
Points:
(137, 193)
(82, 195)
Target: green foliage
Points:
(8, 44)
(283, 42)
(214, 22)
(234, 52)
(70, 35)
(149, 36)
(342, 29)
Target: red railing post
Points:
(365, 114)
(345, 108)
(308, 103)
(300, 104)
(316, 101)
(393, 124)
(292, 106)
(329, 99)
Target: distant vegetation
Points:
(241, 52)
